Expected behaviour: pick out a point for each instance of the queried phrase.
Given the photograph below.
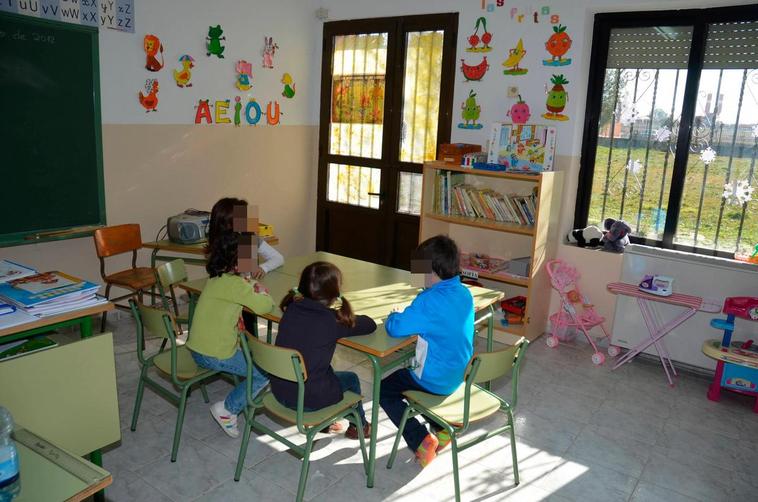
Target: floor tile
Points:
(622, 454)
(128, 487)
(647, 492)
(689, 476)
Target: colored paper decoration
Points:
(203, 112)
(237, 111)
(556, 99)
(558, 45)
(183, 76)
(244, 75)
(253, 105)
(289, 86)
(519, 112)
(470, 112)
(475, 72)
(485, 39)
(527, 148)
(149, 101)
(153, 46)
(515, 56)
(269, 49)
(708, 155)
(738, 193)
(273, 113)
(222, 107)
(213, 41)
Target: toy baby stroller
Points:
(576, 310)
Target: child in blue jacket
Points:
(443, 318)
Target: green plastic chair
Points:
(470, 403)
(176, 363)
(167, 276)
(288, 364)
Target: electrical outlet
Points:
(513, 91)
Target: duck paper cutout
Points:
(485, 39)
(244, 75)
(556, 99)
(183, 76)
(153, 46)
(519, 112)
(475, 72)
(149, 101)
(558, 45)
(289, 86)
(470, 112)
(269, 49)
(213, 41)
(515, 56)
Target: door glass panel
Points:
(352, 185)
(421, 95)
(359, 65)
(409, 193)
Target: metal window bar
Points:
(705, 169)
(744, 205)
(647, 150)
(363, 108)
(429, 127)
(610, 145)
(731, 157)
(629, 148)
(668, 151)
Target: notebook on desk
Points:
(45, 287)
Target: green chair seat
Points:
(186, 367)
(310, 418)
(450, 408)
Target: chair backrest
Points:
(562, 275)
(172, 272)
(118, 239)
(276, 361)
(493, 365)
(158, 322)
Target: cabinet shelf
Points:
(442, 166)
(498, 226)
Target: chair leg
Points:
(138, 398)
(105, 314)
(400, 430)
(454, 448)
(361, 440)
(243, 447)
(269, 330)
(163, 345)
(514, 456)
(179, 423)
(205, 393)
(304, 468)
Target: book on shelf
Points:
(460, 199)
(10, 270)
(46, 288)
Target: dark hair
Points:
(442, 251)
(221, 250)
(321, 281)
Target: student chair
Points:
(115, 240)
(288, 364)
(167, 276)
(177, 364)
(470, 403)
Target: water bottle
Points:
(9, 477)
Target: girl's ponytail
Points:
(292, 295)
(345, 314)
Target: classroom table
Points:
(49, 472)
(198, 249)
(81, 317)
(657, 329)
(372, 290)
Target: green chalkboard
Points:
(51, 160)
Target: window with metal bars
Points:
(671, 128)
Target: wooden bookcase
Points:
(503, 240)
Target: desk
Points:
(191, 249)
(657, 329)
(381, 288)
(82, 317)
(49, 472)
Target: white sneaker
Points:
(226, 419)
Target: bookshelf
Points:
(501, 239)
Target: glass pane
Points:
(637, 130)
(718, 192)
(409, 194)
(421, 95)
(359, 65)
(352, 185)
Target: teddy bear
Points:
(587, 237)
(616, 235)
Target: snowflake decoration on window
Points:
(755, 131)
(708, 155)
(662, 135)
(738, 193)
(630, 115)
(634, 166)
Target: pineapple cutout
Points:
(557, 97)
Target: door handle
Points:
(378, 194)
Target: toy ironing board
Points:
(656, 329)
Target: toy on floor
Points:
(737, 362)
(564, 278)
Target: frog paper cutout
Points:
(213, 41)
(470, 112)
(153, 46)
(244, 75)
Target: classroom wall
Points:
(158, 164)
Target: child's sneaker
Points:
(443, 437)
(428, 450)
(226, 419)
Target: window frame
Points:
(699, 19)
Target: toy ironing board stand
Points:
(656, 328)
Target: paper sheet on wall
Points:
(112, 14)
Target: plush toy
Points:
(588, 237)
(616, 235)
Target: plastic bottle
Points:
(9, 475)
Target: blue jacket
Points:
(443, 318)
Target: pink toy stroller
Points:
(564, 278)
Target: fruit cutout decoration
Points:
(289, 86)
(558, 45)
(515, 56)
(556, 99)
(153, 46)
(519, 112)
(475, 72)
(470, 112)
(149, 100)
(244, 75)
(485, 39)
(213, 41)
(183, 76)
(269, 49)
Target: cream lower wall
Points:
(154, 171)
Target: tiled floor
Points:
(584, 433)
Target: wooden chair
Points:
(119, 239)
